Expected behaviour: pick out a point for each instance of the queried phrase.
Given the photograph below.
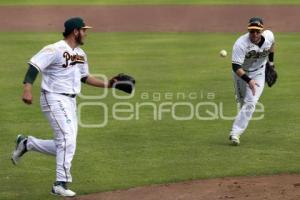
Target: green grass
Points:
(126, 154)
(144, 2)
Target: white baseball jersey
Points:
(250, 56)
(62, 67)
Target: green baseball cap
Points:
(74, 23)
(255, 23)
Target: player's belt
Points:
(68, 95)
(65, 94)
(254, 70)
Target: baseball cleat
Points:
(60, 189)
(235, 140)
(20, 149)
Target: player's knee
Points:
(250, 101)
(248, 109)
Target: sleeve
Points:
(84, 70)
(31, 75)
(238, 54)
(270, 36)
(43, 58)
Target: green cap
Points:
(256, 23)
(74, 23)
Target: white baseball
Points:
(223, 53)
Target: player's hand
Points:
(27, 94)
(111, 82)
(252, 85)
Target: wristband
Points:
(246, 78)
(271, 57)
(83, 79)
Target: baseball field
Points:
(151, 2)
(171, 68)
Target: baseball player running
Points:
(63, 66)
(251, 52)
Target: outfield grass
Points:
(139, 2)
(132, 153)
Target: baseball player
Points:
(63, 66)
(251, 52)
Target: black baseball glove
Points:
(123, 82)
(270, 74)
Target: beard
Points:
(78, 39)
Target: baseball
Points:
(223, 53)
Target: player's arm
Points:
(88, 79)
(238, 57)
(270, 36)
(30, 77)
(93, 81)
(38, 63)
(271, 55)
(242, 74)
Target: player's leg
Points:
(30, 143)
(62, 121)
(25, 144)
(240, 92)
(239, 89)
(42, 146)
(245, 114)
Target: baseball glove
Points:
(270, 74)
(123, 82)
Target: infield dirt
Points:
(150, 18)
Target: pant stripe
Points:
(65, 146)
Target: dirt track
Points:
(150, 18)
(172, 19)
(279, 187)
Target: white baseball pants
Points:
(246, 99)
(60, 111)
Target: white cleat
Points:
(62, 190)
(235, 140)
(20, 149)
